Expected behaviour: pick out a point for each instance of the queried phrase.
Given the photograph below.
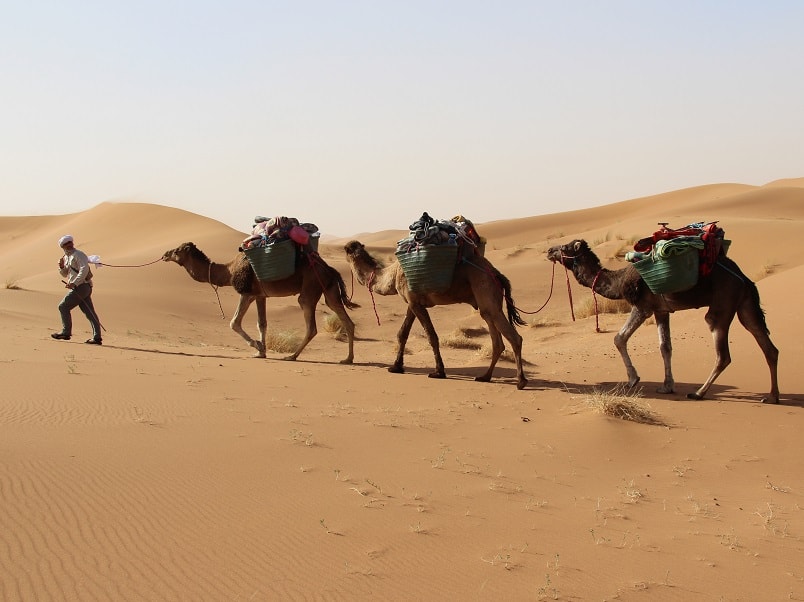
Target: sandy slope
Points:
(170, 465)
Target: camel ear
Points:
(577, 245)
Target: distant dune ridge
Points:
(171, 465)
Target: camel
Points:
(726, 291)
(475, 282)
(312, 278)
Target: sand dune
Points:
(170, 465)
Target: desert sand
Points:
(169, 464)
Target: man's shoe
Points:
(61, 336)
(94, 342)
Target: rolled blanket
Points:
(676, 246)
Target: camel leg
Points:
(497, 347)
(424, 318)
(398, 367)
(336, 306)
(308, 309)
(499, 327)
(750, 316)
(666, 349)
(634, 321)
(237, 323)
(719, 326)
(262, 325)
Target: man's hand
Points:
(70, 285)
(61, 263)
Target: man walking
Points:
(74, 266)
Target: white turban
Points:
(65, 239)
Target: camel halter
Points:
(569, 289)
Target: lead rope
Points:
(569, 288)
(594, 297)
(215, 288)
(371, 292)
(142, 265)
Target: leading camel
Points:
(475, 282)
(312, 278)
(726, 292)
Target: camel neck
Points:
(217, 274)
(599, 279)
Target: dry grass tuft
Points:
(282, 341)
(516, 251)
(334, 326)
(586, 307)
(462, 338)
(620, 402)
(767, 268)
(12, 284)
(539, 322)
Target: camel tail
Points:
(753, 291)
(514, 317)
(342, 294)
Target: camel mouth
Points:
(554, 254)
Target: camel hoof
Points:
(290, 358)
(259, 355)
(694, 396)
(482, 379)
(664, 390)
(522, 383)
(396, 369)
(437, 375)
(633, 383)
(347, 361)
(770, 400)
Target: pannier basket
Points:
(429, 268)
(273, 262)
(313, 242)
(671, 274)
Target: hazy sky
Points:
(359, 115)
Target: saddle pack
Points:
(709, 232)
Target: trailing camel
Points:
(726, 291)
(312, 278)
(475, 282)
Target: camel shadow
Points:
(179, 353)
(208, 355)
(502, 374)
(717, 392)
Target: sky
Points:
(359, 115)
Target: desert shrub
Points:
(586, 307)
(282, 341)
(623, 403)
(462, 338)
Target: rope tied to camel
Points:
(499, 284)
(569, 287)
(215, 288)
(141, 265)
(371, 292)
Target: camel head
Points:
(363, 265)
(353, 249)
(181, 253)
(566, 254)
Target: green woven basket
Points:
(273, 262)
(429, 268)
(672, 274)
